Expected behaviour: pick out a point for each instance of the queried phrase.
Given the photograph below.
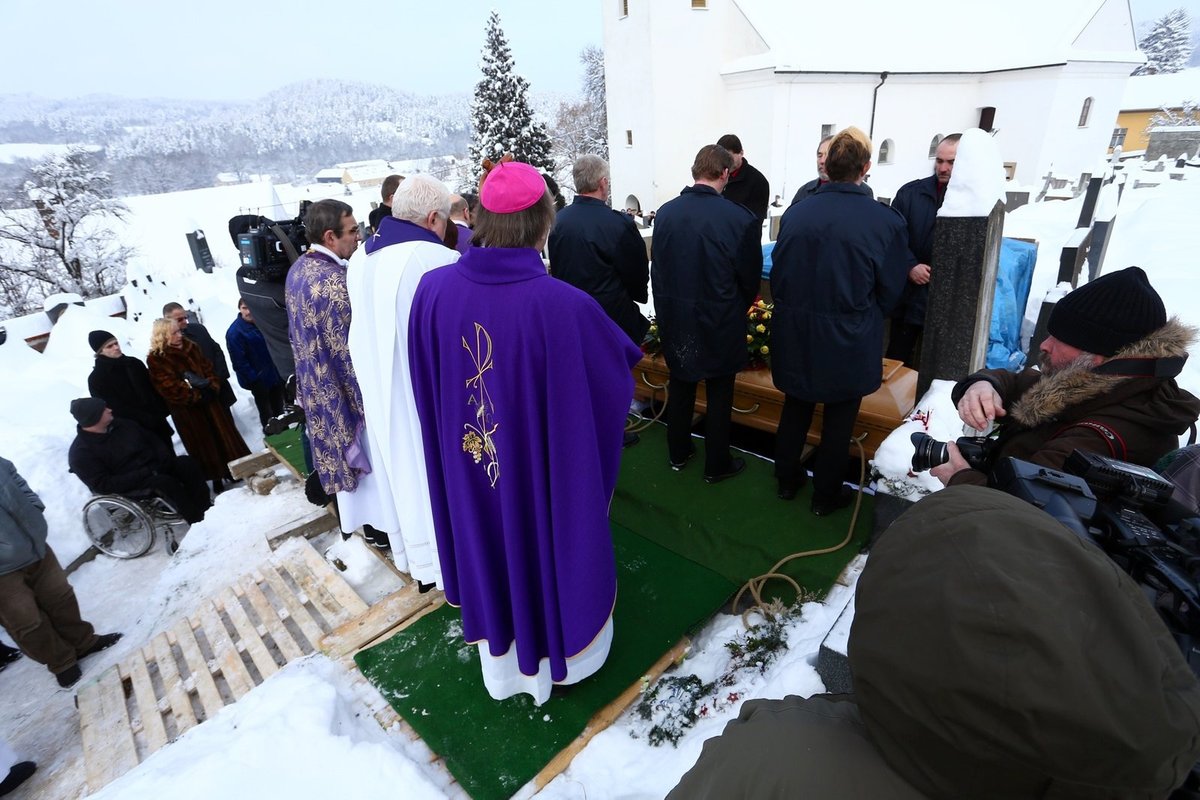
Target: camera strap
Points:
(1116, 445)
(288, 247)
(1167, 367)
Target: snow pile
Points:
(978, 182)
(301, 734)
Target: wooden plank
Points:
(311, 524)
(104, 725)
(387, 562)
(225, 652)
(246, 466)
(177, 695)
(332, 580)
(270, 619)
(606, 716)
(147, 703)
(298, 612)
(279, 457)
(262, 658)
(388, 613)
(206, 687)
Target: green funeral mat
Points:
(683, 548)
(431, 677)
(287, 446)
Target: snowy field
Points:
(303, 733)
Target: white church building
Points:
(1045, 76)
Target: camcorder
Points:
(267, 248)
(1123, 508)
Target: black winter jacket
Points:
(124, 383)
(918, 202)
(120, 461)
(749, 188)
(705, 271)
(598, 250)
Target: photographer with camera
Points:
(1106, 385)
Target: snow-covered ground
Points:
(302, 733)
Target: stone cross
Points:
(958, 319)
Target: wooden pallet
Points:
(233, 642)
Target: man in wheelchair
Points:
(118, 456)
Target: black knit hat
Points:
(98, 339)
(1111, 312)
(87, 410)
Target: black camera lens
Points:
(928, 452)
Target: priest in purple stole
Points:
(522, 385)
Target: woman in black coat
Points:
(123, 382)
(838, 268)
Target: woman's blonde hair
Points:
(160, 334)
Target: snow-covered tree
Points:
(56, 236)
(1187, 115)
(501, 118)
(1168, 45)
(596, 121)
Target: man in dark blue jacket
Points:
(252, 364)
(747, 186)
(598, 250)
(707, 259)
(919, 202)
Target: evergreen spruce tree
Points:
(501, 119)
(1168, 45)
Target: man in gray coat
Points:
(37, 605)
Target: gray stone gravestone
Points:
(1070, 262)
(966, 251)
(1091, 195)
(1014, 200)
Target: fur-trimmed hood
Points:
(1050, 396)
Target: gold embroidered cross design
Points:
(477, 441)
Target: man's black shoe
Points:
(8, 655)
(679, 465)
(17, 774)
(102, 643)
(69, 676)
(788, 491)
(735, 468)
(824, 506)
(423, 587)
(630, 439)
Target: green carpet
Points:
(737, 528)
(287, 445)
(432, 678)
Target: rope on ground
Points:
(755, 585)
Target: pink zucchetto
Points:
(511, 187)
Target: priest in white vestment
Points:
(381, 281)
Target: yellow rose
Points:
(761, 328)
(767, 315)
(749, 338)
(764, 349)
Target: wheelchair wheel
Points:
(167, 519)
(117, 526)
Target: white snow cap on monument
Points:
(977, 183)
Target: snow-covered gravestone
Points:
(966, 253)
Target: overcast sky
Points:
(235, 49)
(238, 49)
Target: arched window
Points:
(1085, 111)
(933, 144)
(886, 152)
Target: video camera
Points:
(268, 248)
(1126, 510)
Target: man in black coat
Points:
(123, 382)
(810, 188)
(706, 268)
(387, 191)
(838, 269)
(208, 346)
(746, 185)
(596, 249)
(118, 456)
(918, 201)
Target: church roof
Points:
(934, 36)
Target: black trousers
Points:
(183, 484)
(902, 341)
(268, 401)
(681, 404)
(833, 453)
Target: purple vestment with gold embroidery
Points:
(318, 310)
(522, 384)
